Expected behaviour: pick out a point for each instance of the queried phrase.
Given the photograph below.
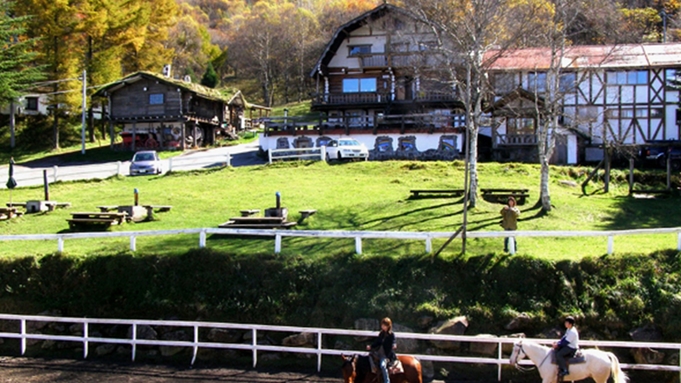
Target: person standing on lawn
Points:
(509, 220)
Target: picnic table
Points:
(257, 223)
(249, 212)
(416, 193)
(96, 219)
(8, 212)
(502, 195)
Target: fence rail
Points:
(357, 236)
(24, 334)
(32, 177)
(297, 153)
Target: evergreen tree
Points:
(210, 78)
(17, 72)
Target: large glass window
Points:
(568, 82)
(156, 99)
(355, 50)
(356, 85)
(536, 81)
(634, 77)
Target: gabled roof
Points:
(516, 94)
(200, 90)
(344, 31)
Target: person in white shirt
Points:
(567, 346)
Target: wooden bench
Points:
(502, 195)
(249, 213)
(96, 218)
(416, 193)
(107, 208)
(257, 223)
(9, 212)
(306, 213)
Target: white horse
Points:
(599, 365)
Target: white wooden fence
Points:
(85, 338)
(297, 153)
(357, 236)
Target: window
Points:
(620, 113)
(504, 82)
(356, 50)
(156, 99)
(568, 82)
(32, 103)
(357, 85)
(635, 77)
(536, 81)
(520, 126)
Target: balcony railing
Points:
(378, 98)
(516, 139)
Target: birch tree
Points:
(467, 31)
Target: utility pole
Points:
(82, 130)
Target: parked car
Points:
(655, 153)
(145, 162)
(346, 148)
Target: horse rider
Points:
(567, 346)
(383, 347)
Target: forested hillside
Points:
(266, 47)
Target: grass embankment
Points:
(354, 196)
(321, 282)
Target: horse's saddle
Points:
(576, 359)
(393, 368)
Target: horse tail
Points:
(618, 376)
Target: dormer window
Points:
(357, 50)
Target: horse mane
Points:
(362, 367)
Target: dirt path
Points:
(31, 370)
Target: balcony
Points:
(360, 98)
(516, 139)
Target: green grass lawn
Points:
(350, 196)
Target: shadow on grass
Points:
(639, 213)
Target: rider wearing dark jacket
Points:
(383, 346)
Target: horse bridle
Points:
(517, 357)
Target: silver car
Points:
(145, 162)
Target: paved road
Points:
(241, 155)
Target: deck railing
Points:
(194, 329)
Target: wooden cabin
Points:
(160, 112)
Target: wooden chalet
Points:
(376, 81)
(160, 112)
(379, 80)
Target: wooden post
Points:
(134, 135)
(631, 176)
(669, 168)
(12, 123)
(606, 178)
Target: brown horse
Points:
(357, 369)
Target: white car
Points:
(345, 149)
(146, 162)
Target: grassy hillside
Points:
(353, 196)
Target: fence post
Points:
(118, 171)
(269, 156)
(358, 245)
(85, 341)
(202, 239)
(134, 340)
(23, 336)
(228, 163)
(511, 245)
(277, 244)
(429, 245)
(254, 344)
(319, 351)
(610, 244)
(60, 244)
(196, 344)
(678, 241)
(55, 169)
(323, 153)
(133, 243)
(170, 164)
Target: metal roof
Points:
(626, 56)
